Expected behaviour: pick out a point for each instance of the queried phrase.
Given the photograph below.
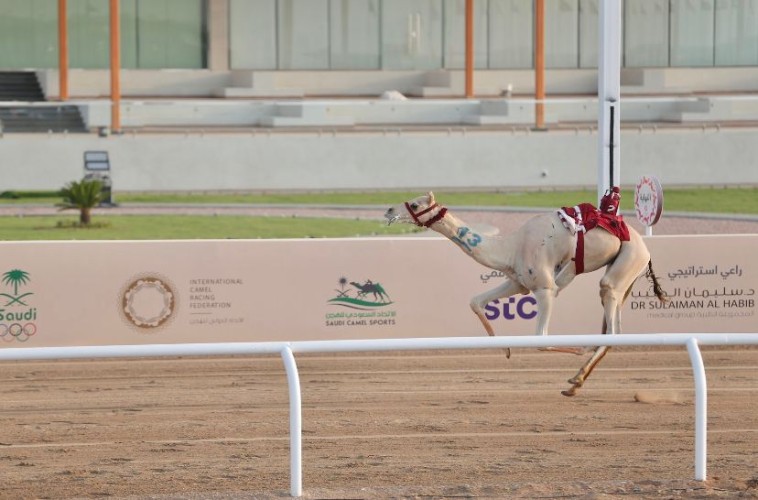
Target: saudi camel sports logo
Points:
(366, 296)
(18, 323)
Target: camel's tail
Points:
(657, 289)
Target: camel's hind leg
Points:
(577, 380)
(620, 275)
(615, 287)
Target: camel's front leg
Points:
(545, 297)
(479, 302)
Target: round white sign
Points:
(648, 200)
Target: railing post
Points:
(296, 423)
(701, 408)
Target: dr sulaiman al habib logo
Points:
(148, 302)
(17, 317)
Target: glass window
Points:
(411, 34)
(154, 33)
(169, 34)
(455, 34)
(646, 33)
(588, 33)
(511, 34)
(252, 33)
(354, 34)
(303, 34)
(88, 38)
(562, 33)
(28, 34)
(737, 32)
(128, 28)
(692, 32)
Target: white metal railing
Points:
(288, 349)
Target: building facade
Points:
(318, 35)
(275, 48)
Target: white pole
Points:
(701, 408)
(609, 95)
(296, 423)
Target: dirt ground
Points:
(438, 424)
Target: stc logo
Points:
(524, 308)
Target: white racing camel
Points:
(543, 257)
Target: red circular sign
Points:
(648, 200)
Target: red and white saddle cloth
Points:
(585, 217)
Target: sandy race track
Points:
(435, 424)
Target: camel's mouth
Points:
(391, 217)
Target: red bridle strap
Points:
(436, 218)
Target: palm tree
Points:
(16, 277)
(83, 196)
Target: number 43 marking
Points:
(467, 239)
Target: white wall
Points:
(198, 83)
(290, 290)
(456, 158)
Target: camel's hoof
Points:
(570, 392)
(569, 350)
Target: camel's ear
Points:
(431, 198)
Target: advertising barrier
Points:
(163, 292)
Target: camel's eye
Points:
(414, 206)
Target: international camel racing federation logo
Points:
(17, 317)
(369, 303)
(148, 302)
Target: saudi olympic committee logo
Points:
(18, 319)
(148, 302)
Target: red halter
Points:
(436, 218)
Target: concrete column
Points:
(218, 35)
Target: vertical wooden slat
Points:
(539, 63)
(469, 48)
(115, 56)
(62, 51)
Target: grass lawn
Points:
(154, 227)
(133, 227)
(714, 200)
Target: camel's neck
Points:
(488, 251)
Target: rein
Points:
(436, 218)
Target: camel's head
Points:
(422, 211)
